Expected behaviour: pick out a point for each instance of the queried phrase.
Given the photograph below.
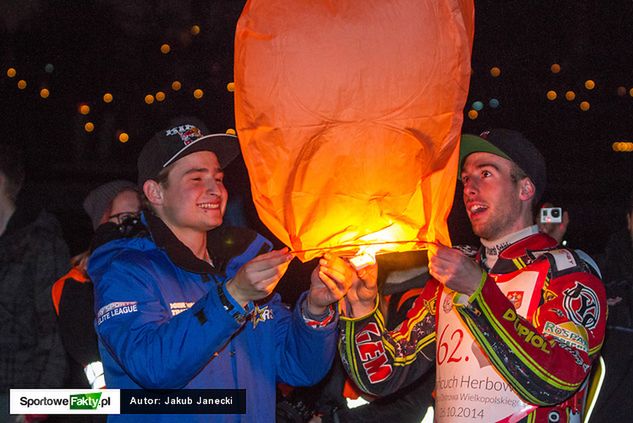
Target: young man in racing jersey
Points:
(514, 330)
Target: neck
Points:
(493, 247)
(195, 240)
(7, 208)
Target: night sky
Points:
(114, 46)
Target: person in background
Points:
(189, 305)
(513, 329)
(114, 209)
(33, 254)
(613, 402)
(401, 279)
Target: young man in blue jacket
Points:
(189, 305)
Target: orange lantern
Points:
(349, 115)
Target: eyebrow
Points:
(217, 170)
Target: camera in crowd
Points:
(551, 215)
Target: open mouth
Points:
(476, 208)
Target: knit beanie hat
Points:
(100, 198)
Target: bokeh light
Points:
(478, 105)
(555, 68)
(195, 30)
(231, 131)
(84, 109)
(21, 84)
(473, 114)
(44, 93)
(590, 84)
(176, 85)
(495, 71)
(493, 103)
(230, 87)
(198, 93)
(123, 137)
(570, 95)
(89, 127)
(165, 48)
(551, 95)
(11, 72)
(107, 98)
(49, 68)
(160, 96)
(149, 99)
(584, 106)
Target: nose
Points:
(213, 187)
(470, 187)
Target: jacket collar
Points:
(517, 255)
(178, 252)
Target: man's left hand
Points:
(454, 269)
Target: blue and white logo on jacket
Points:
(115, 309)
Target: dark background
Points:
(113, 46)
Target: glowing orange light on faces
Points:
(335, 159)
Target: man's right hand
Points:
(258, 278)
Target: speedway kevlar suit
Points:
(519, 349)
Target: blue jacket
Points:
(165, 320)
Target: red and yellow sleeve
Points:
(547, 358)
(380, 361)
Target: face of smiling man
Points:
(494, 200)
(194, 197)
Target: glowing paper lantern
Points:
(349, 115)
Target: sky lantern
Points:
(349, 115)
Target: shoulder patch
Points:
(562, 261)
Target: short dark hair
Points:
(12, 166)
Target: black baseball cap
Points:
(169, 145)
(510, 145)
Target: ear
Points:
(154, 192)
(527, 189)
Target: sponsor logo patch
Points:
(179, 307)
(582, 306)
(568, 333)
(260, 315)
(516, 298)
(187, 133)
(116, 309)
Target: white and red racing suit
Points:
(519, 349)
